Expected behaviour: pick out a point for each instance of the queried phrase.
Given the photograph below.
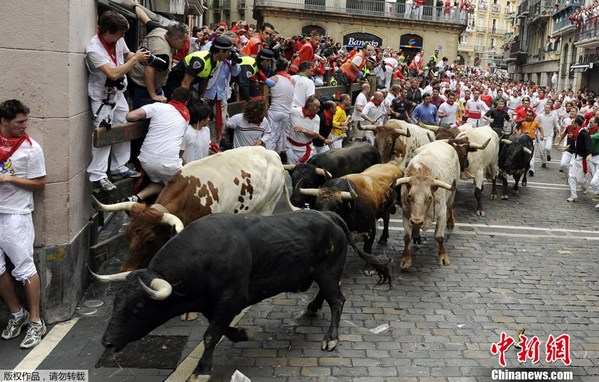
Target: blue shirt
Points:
(220, 89)
(426, 114)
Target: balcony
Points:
(496, 8)
(561, 19)
(240, 4)
(369, 8)
(587, 34)
(541, 10)
(523, 9)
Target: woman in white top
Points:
(251, 127)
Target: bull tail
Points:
(288, 200)
(379, 263)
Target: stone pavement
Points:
(530, 263)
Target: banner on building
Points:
(410, 41)
(361, 39)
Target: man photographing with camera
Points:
(108, 59)
(148, 79)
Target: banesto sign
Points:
(361, 39)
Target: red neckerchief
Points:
(283, 73)
(181, 108)
(9, 145)
(307, 115)
(110, 47)
(377, 104)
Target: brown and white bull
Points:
(427, 194)
(483, 161)
(441, 132)
(242, 180)
(398, 140)
(361, 199)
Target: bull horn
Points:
(432, 128)
(116, 277)
(289, 167)
(527, 150)
(346, 195)
(124, 206)
(403, 180)
(440, 183)
(309, 191)
(367, 127)
(405, 133)
(479, 147)
(506, 141)
(170, 219)
(159, 289)
(323, 172)
(461, 135)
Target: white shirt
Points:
(360, 100)
(97, 56)
(450, 110)
(165, 134)
(282, 95)
(375, 112)
(304, 88)
(298, 119)
(246, 133)
(195, 144)
(514, 102)
(26, 162)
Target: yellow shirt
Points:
(338, 119)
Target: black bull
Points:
(223, 263)
(352, 159)
(514, 159)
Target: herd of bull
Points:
(210, 243)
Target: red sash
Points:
(474, 114)
(308, 147)
(8, 146)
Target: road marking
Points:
(188, 365)
(518, 227)
(37, 355)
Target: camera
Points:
(235, 59)
(155, 61)
(118, 84)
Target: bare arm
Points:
(24, 183)
(136, 115)
(116, 72)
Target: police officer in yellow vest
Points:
(254, 71)
(198, 67)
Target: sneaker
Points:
(548, 158)
(13, 329)
(34, 335)
(127, 174)
(572, 200)
(134, 199)
(597, 207)
(104, 184)
(585, 190)
(531, 173)
(544, 165)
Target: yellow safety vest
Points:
(206, 58)
(251, 61)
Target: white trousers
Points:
(294, 153)
(119, 153)
(576, 176)
(594, 166)
(279, 123)
(545, 147)
(565, 162)
(16, 242)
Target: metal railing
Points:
(373, 8)
(587, 30)
(561, 24)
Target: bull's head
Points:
(417, 194)
(147, 232)
(305, 175)
(463, 146)
(138, 308)
(513, 155)
(332, 198)
(388, 144)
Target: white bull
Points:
(482, 163)
(430, 178)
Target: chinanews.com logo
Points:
(531, 349)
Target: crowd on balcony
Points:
(585, 17)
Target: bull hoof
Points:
(450, 225)
(493, 196)
(524, 182)
(368, 272)
(480, 213)
(503, 197)
(417, 240)
(443, 259)
(192, 316)
(405, 263)
(310, 313)
(382, 241)
(328, 345)
(199, 378)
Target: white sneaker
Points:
(34, 335)
(104, 184)
(597, 207)
(572, 200)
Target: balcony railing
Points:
(587, 30)
(496, 8)
(561, 18)
(523, 9)
(373, 8)
(541, 8)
